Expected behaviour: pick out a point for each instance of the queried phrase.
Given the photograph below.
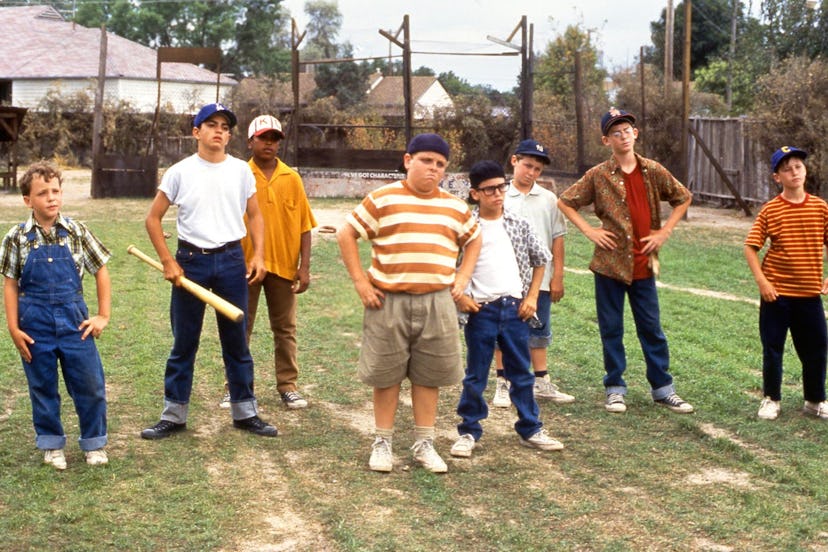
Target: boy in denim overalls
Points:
(43, 260)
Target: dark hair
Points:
(45, 170)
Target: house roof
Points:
(389, 91)
(280, 89)
(39, 44)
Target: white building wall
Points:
(433, 98)
(140, 94)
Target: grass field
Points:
(716, 480)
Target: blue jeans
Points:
(224, 274)
(541, 337)
(805, 317)
(498, 322)
(609, 303)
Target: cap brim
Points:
(615, 120)
(266, 130)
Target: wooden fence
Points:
(741, 158)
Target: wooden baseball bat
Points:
(222, 306)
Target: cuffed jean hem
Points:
(662, 392)
(50, 442)
(244, 409)
(618, 389)
(93, 443)
(175, 412)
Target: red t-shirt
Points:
(640, 218)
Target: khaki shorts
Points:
(414, 337)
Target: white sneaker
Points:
(293, 400)
(818, 410)
(382, 460)
(464, 446)
(545, 389)
(427, 457)
(542, 441)
(676, 404)
(225, 400)
(501, 397)
(615, 403)
(55, 458)
(96, 457)
(769, 409)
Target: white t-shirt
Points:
(496, 273)
(540, 207)
(211, 199)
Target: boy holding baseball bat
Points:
(213, 192)
(43, 260)
(416, 231)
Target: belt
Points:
(206, 251)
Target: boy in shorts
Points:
(416, 232)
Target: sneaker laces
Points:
(673, 400)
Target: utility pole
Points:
(685, 91)
(668, 45)
(295, 40)
(731, 55)
(406, 69)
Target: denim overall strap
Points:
(49, 274)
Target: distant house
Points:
(279, 90)
(385, 95)
(40, 51)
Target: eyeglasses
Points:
(490, 190)
(619, 133)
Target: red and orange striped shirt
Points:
(415, 238)
(798, 233)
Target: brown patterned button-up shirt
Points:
(603, 185)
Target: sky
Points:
(620, 27)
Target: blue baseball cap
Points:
(783, 153)
(211, 109)
(428, 142)
(614, 116)
(533, 148)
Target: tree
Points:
(251, 33)
(792, 109)
(710, 34)
(345, 80)
(555, 67)
(793, 29)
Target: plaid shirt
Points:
(87, 251)
(603, 185)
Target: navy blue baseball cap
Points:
(428, 142)
(485, 170)
(614, 116)
(211, 109)
(533, 148)
(783, 153)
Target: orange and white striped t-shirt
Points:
(415, 238)
(798, 233)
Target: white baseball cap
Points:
(264, 123)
